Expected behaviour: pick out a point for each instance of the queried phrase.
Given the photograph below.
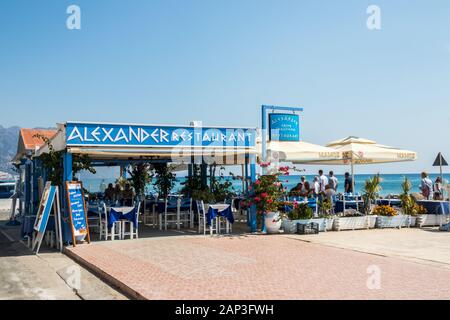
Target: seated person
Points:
(296, 191)
(127, 196)
(109, 193)
(306, 189)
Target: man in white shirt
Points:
(323, 180)
(333, 181)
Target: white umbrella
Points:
(299, 152)
(358, 151)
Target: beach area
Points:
(391, 184)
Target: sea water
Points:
(390, 183)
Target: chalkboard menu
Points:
(77, 212)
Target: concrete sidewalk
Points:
(426, 246)
(49, 276)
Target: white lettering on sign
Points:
(138, 135)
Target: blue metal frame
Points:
(264, 116)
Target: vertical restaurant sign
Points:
(77, 209)
(45, 207)
(284, 127)
(99, 134)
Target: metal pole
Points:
(263, 135)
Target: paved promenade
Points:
(262, 267)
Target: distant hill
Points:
(8, 146)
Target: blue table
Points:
(351, 204)
(117, 214)
(389, 202)
(214, 213)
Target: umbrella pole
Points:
(353, 177)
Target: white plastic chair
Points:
(202, 223)
(150, 215)
(133, 230)
(171, 218)
(184, 216)
(116, 229)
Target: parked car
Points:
(6, 190)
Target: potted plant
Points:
(303, 214)
(419, 215)
(371, 192)
(354, 221)
(325, 209)
(165, 179)
(140, 177)
(266, 196)
(388, 217)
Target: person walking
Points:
(426, 186)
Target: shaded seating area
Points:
(125, 145)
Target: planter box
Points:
(430, 220)
(393, 222)
(291, 226)
(354, 223)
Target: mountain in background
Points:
(9, 138)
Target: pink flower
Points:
(264, 195)
(269, 201)
(257, 199)
(264, 164)
(258, 182)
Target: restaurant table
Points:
(435, 207)
(122, 213)
(389, 202)
(219, 210)
(349, 204)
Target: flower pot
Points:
(290, 226)
(413, 221)
(272, 222)
(329, 223)
(393, 222)
(430, 220)
(354, 223)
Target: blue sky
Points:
(173, 61)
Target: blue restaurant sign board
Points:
(43, 215)
(77, 209)
(284, 127)
(121, 135)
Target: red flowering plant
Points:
(268, 191)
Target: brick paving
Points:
(256, 267)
